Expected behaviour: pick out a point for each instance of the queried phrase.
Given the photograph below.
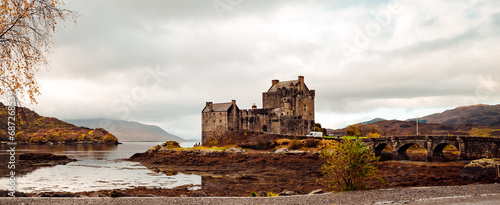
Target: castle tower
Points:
(288, 109)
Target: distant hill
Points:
(373, 121)
(130, 131)
(32, 127)
(397, 127)
(458, 121)
(475, 114)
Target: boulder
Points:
(480, 169)
(115, 193)
(296, 152)
(317, 191)
(281, 151)
(97, 194)
(262, 193)
(235, 150)
(154, 148)
(287, 193)
(198, 193)
(170, 145)
(4, 193)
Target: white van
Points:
(315, 134)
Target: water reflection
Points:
(99, 167)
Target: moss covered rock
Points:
(480, 169)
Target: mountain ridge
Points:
(458, 121)
(35, 128)
(479, 114)
(128, 130)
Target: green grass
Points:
(271, 194)
(351, 137)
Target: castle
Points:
(288, 109)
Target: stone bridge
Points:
(468, 147)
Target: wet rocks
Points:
(281, 151)
(4, 193)
(169, 145)
(287, 151)
(97, 194)
(480, 169)
(235, 150)
(296, 152)
(317, 191)
(287, 193)
(154, 148)
(198, 193)
(52, 194)
(115, 193)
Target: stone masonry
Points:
(288, 109)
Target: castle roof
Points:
(285, 84)
(218, 107)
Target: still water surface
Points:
(99, 167)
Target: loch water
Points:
(99, 167)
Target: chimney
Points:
(233, 101)
(254, 106)
(301, 79)
(209, 105)
(275, 81)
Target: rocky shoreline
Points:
(29, 162)
(235, 173)
(243, 173)
(60, 143)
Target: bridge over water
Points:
(468, 147)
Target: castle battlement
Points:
(288, 109)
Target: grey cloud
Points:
(209, 58)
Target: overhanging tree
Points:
(25, 37)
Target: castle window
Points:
(264, 128)
(220, 121)
(305, 107)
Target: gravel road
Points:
(467, 194)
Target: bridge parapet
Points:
(469, 147)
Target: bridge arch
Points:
(402, 155)
(402, 152)
(379, 151)
(468, 147)
(438, 152)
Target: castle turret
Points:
(209, 106)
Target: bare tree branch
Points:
(25, 30)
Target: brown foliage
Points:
(311, 143)
(296, 144)
(25, 30)
(354, 130)
(109, 138)
(360, 130)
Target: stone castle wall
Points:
(288, 109)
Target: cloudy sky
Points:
(158, 62)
